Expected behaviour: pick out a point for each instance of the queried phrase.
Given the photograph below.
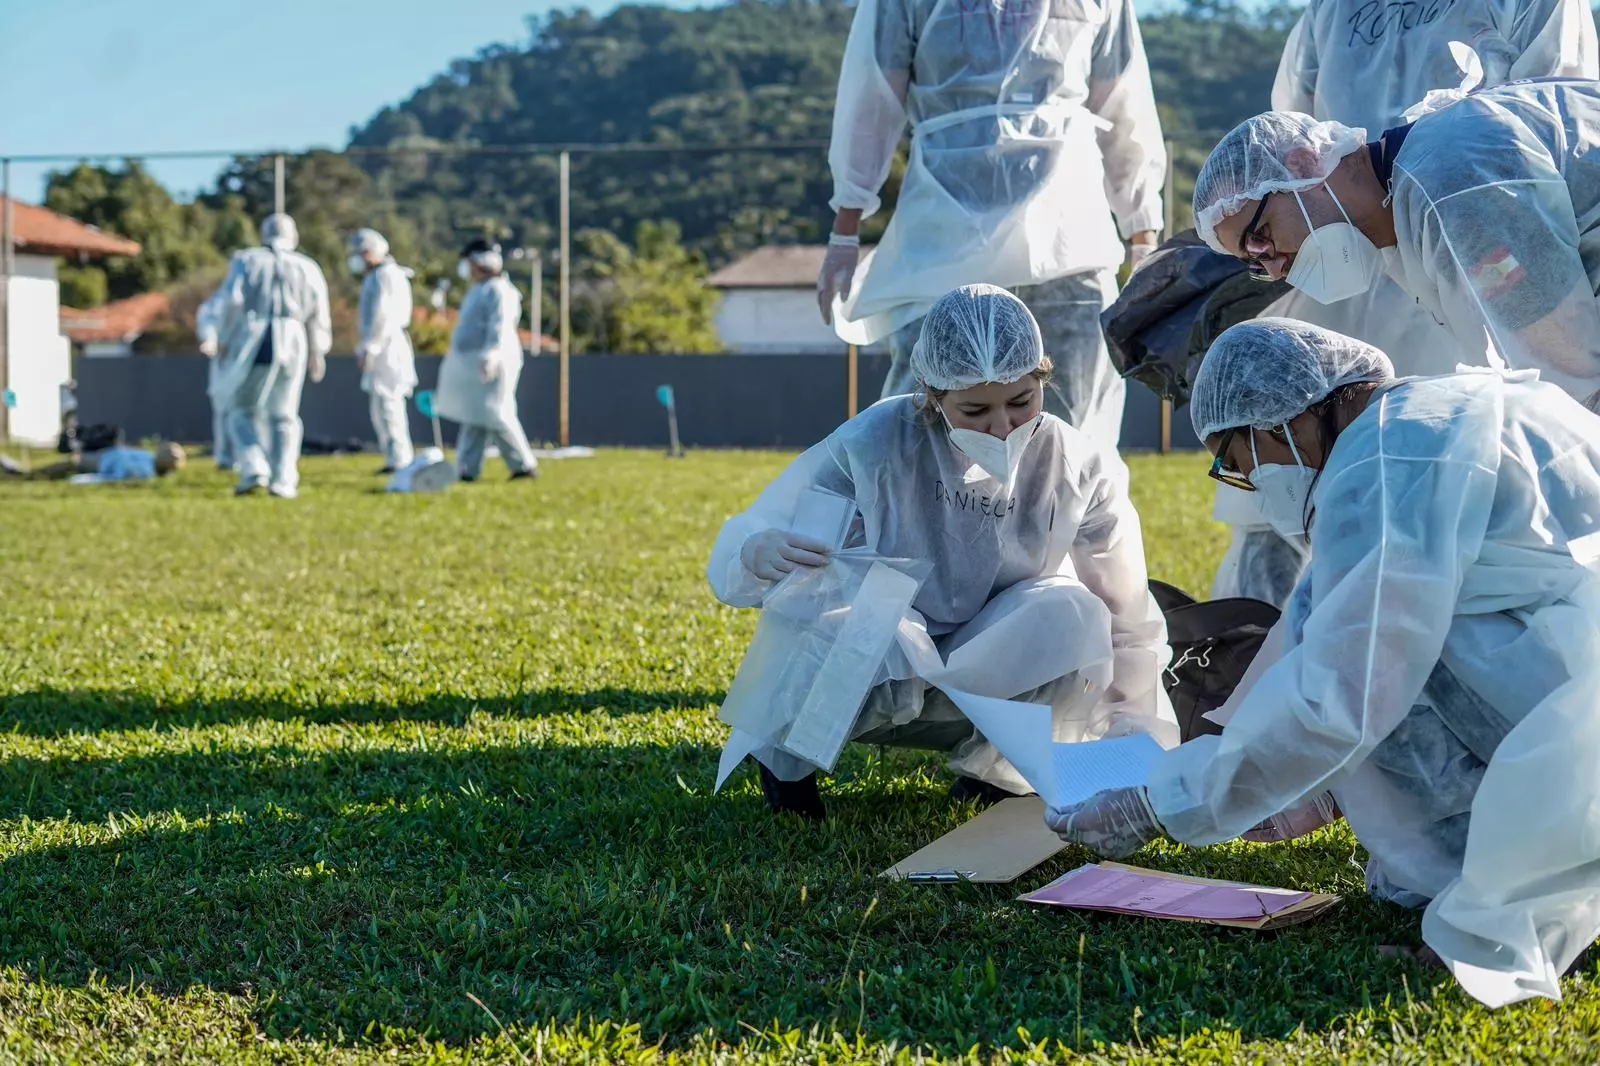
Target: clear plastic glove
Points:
(1114, 823)
(772, 553)
(1138, 252)
(838, 272)
(364, 357)
(487, 371)
(208, 347)
(317, 368)
(1321, 810)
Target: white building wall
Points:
(39, 358)
(774, 321)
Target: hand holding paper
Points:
(1062, 774)
(1114, 823)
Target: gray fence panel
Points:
(724, 401)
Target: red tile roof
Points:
(39, 231)
(122, 320)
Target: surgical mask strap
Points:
(1288, 436)
(1310, 229)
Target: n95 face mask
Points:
(1283, 493)
(1336, 261)
(997, 458)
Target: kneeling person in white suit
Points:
(1032, 550)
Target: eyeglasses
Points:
(1231, 478)
(1253, 265)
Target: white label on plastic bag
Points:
(824, 516)
(823, 725)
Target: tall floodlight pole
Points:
(566, 297)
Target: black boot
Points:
(981, 793)
(800, 797)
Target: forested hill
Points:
(745, 73)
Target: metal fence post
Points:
(566, 298)
(1169, 207)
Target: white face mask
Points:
(1336, 261)
(464, 270)
(357, 264)
(998, 458)
(1283, 492)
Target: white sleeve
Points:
(1393, 532)
(1295, 87)
(869, 114)
(1108, 557)
(818, 467)
(319, 329)
(217, 317)
(507, 316)
(1503, 259)
(392, 306)
(1554, 39)
(1134, 153)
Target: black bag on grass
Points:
(1213, 644)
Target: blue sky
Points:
(167, 75)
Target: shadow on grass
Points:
(349, 888)
(58, 712)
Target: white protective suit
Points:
(390, 366)
(272, 318)
(1032, 125)
(1034, 589)
(1363, 64)
(1496, 203)
(485, 345)
(1440, 672)
(207, 319)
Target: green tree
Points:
(647, 299)
(176, 239)
(83, 286)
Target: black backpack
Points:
(1174, 306)
(1213, 644)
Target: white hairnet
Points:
(1253, 160)
(976, 334)
(1264, 373)
(279, 232)
(369, 242)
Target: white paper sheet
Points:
(1081, 770)
(1062, 774)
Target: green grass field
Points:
(373, 779)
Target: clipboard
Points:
(995, 848)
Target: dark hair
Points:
(931, 396)
(1326, 411)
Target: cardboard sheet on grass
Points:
(1117, 889)
(1011, 838)
(995, 848)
